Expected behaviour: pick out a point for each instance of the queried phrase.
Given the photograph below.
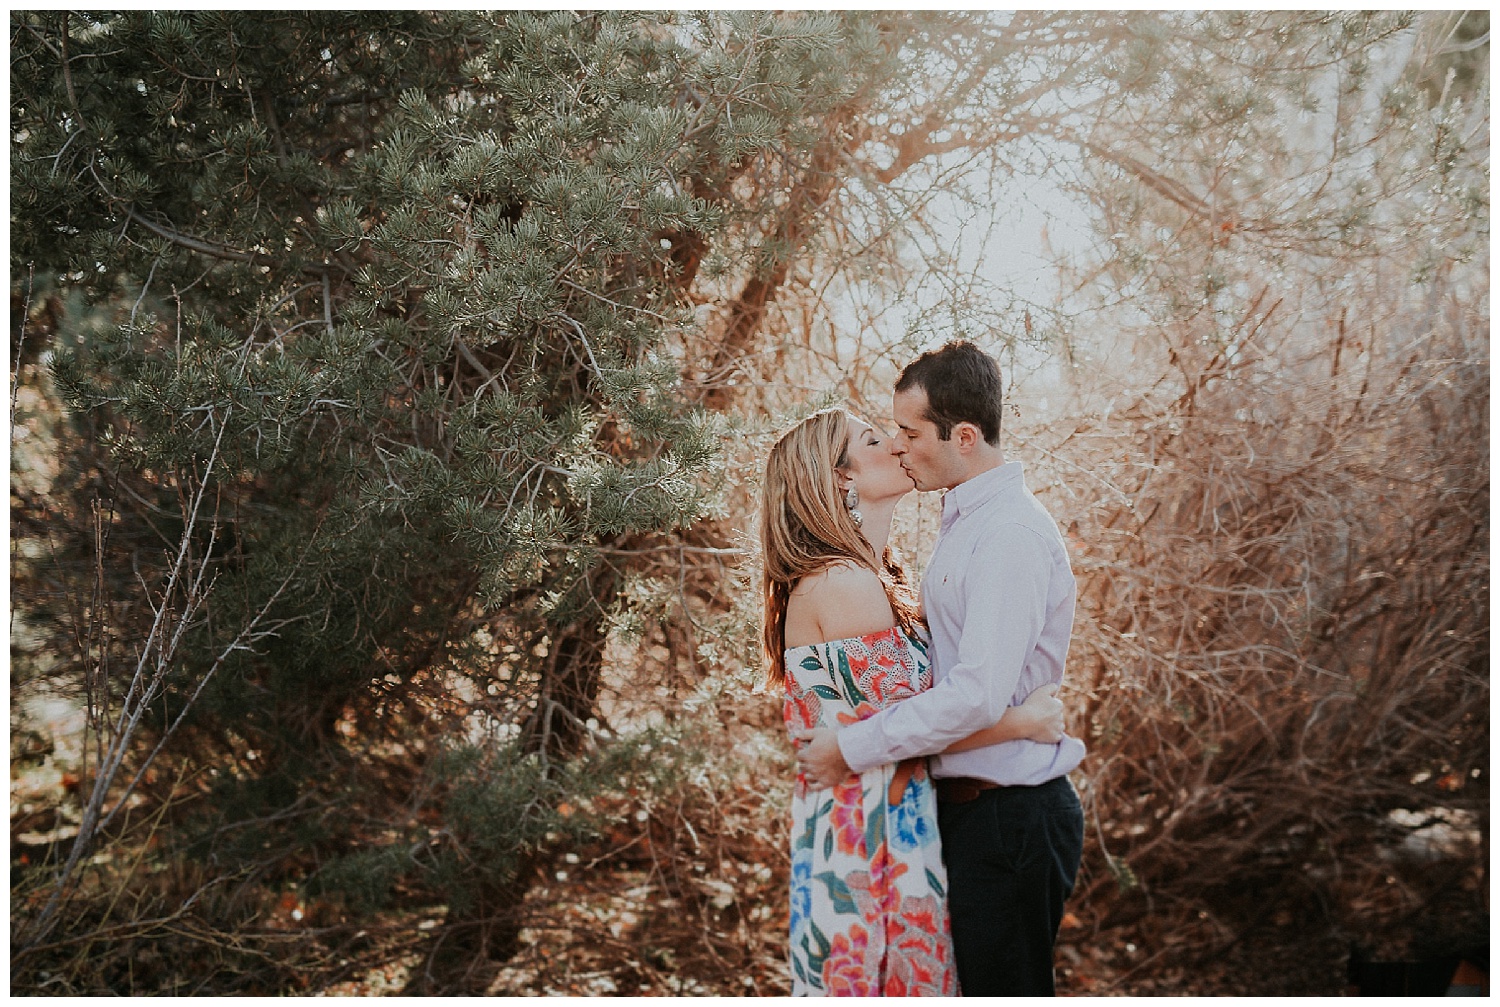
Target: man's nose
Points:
(896, 447)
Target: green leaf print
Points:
(811, 663)
(855, 696)
(826, 691)
(805, 840)
(916, 643)
(815, 959)
(828, 844)
(808, 837)
(797, 964)
(875, 830)
(823, 946)
(934, 883)
(838, 893)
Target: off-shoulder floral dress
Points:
(869, 913)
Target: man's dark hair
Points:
(962, 383)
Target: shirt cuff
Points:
(859, 744)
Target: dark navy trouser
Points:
(1012, 855)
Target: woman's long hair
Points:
(805, 527)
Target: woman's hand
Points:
(1039, 718)
(819, 758)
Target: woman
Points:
(842, 635)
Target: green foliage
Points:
(499, 807)
(404, 294)
(413, 272)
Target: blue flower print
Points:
(913, 822)
(802, 892)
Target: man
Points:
(999, 597)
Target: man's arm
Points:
(1039, 718)
(1005, 585)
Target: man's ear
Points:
(967, 434)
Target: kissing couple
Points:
(935, 835)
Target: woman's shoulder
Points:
(843, 600)
(839, 581)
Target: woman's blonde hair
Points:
(805, 528)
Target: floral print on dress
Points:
(869, 914)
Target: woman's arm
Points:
(1039, 718)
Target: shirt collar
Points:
(976, 492)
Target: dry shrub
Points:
(684, 891)
(1283, 626)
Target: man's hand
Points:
(1041, 716)
(819, 758)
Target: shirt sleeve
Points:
(1004, 597)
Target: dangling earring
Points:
(851, 501)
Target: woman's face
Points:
(875, 472)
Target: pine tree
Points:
(398, 301)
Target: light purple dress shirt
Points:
(999, 597)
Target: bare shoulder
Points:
(840, 601)
(839, 582)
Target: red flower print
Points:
(884, 870)
(919, 947)
(801, 709)
(886, 675)
(845, 970)
(848, 817)
(923, 913)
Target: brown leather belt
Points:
(961, 789)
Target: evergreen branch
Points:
(57, 158)
(199, 245)
(696, 550)
(46, 42)
(584, 339)
(144, 287)
(616, 304)
(468, 354)
(67, 72)
(327, 304)
(15, 378)
(209, 248)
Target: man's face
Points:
(932, 463)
